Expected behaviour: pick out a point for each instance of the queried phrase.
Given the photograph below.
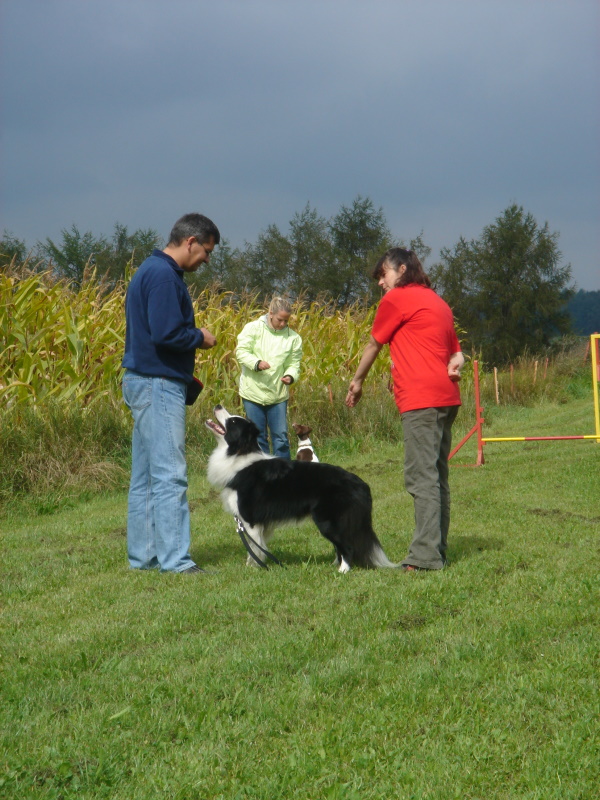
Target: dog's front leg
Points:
(255, 537)
(340, 562)
(344, 566)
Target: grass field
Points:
(480, 681)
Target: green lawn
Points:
(480, 681)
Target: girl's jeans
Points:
(274, 418)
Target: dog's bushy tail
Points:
(377, 558)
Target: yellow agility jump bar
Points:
(533, 438)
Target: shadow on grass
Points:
(234, 553)
(464, 547)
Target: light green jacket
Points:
(281, 349)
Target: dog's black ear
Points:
(248, 442)
(253, 427)
(241, 436)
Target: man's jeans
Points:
(427, 444)
(275, 417)
(158, 518)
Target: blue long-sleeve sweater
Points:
(161, 335)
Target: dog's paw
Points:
(344, 567)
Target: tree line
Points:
(584, 310)
(315, 257)
(509, 289)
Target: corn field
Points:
(62, 345)
(65, 346)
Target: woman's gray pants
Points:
(427, 445)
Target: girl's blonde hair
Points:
(279, 304)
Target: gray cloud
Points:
(442, 112)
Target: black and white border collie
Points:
(266, 492)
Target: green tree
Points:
(312, 258)
(299, 263)
(267, 263)
(75, 253)
(110, 257)
(316, 257)
(509, 288)
(360, 235)
(12, 250)
(129, 250)
(420, 248)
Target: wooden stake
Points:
(587, 352)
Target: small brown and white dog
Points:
(305, 450)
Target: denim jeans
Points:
(274, 418)
(158, 517)
(427, 445)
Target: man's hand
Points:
(209, 340)
(263, 365)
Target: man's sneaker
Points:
(191, 570)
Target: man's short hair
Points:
(197, 225)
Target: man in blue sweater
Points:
(161, 340)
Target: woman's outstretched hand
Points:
(354, 393)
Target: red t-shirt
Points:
(419, 327)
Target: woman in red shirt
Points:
(426, 362)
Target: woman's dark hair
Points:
(196, 225)
(396, 256)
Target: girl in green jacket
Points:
(269, 353)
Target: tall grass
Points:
(62, 449)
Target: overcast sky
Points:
(443, 112)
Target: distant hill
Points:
(584, 310)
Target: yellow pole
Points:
(535, 438)
(594, 339)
